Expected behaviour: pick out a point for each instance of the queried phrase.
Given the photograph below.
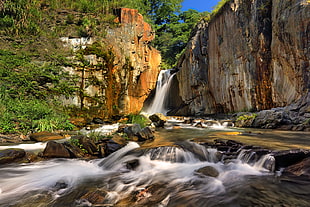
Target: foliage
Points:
(246, 117)
(28, 92)
(173, 36)
(138, 119)
(76, 142)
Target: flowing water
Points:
(162, 87)
(161, 173)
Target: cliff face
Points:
(116, 73)
(253, 55)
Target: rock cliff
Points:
(252, 55)
(118, 71)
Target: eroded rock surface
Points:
(253, 55)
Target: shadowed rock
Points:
(54, 149)
(11, 155)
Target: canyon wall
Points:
(116, 72)
(252, 55)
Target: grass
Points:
(138, 119)
(29, 92)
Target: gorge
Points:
(248, 64)
(253, 55)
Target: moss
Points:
(246, 117)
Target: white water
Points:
(27, 147)
(162, 87)
(107, 129)
(172, 168)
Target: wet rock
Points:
(208, 171)
(132, 164)
(44, 136)
(11, 155)
(55, 150)
(152, 195)
(198, 125)
(158, 119)
(289, 157)
(75, 151)
(111, 146)
(95, 197)
(145, 134)
(188, 121)
(86, 144)
(135, 133)
(300, 169)
(132, 130)
(13, 138)
(98, 121)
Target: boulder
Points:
(286, 158)
(11, 155)
(208, 171)
(110, 147)
(300, 169)
(74, 150)
(44, 136)
(55, 150)
(145, 134)
(132, 130)
(86, 144)
(158, 119)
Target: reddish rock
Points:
(44, 136)
(55, 150)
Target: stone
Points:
(95, 197)
(132, 130)
(301, 168)
(145, 134)
(55, 150)
(10, 155)
(44, 136)
(286, 158)
(75, 151)
(87, 144)
(111, 147)
(158, 119)
(208, 171)
(132, 164)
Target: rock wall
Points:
(118, 71)
(252, 55)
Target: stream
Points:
(161, 173)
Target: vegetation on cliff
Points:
(32, 57)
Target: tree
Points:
(173, 36)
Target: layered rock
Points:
(118, 71)
(253, 55)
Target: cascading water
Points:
(133, 176)
(162, 88)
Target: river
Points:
(160, 174)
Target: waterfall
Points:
(161, 94)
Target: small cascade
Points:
(166, 174)
(257, 160)
(161, 94)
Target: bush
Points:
(138, 119)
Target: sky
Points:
(199, 5)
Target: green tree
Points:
(173, 36)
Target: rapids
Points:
(148, 175)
